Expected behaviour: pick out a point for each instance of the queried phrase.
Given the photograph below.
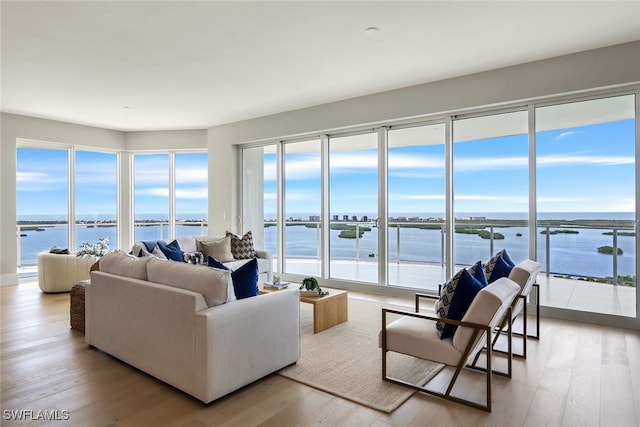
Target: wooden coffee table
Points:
(328, 311)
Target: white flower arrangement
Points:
(99, 249)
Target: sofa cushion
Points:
(245, 278)
(171, 250)
(215, 285)
(188, 244)
(242, 247)
(118, 262)
(457, 296)
(218, 249)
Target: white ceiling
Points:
(156, 65)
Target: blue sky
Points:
(581, 169)
(42, 181)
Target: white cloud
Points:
(401, 161)
(353, 162)
(584, 160)
(23, 177)
(153, 191)
(471, 164)
(565, 135)
(416, 197)
(191, 175)
(40, 182)
(192, 193)
(492, 198)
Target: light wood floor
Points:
(577, 375)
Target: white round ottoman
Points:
(58, 272)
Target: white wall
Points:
(22, 127)
(166, 140)
(600, 68)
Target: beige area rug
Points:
(346, 361)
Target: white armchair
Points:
(412, 335)
(59, 272)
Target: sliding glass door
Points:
(353, 201)
(302, 208)
(491, 187)
(416, 201)
(586, 199)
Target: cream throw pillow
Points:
(216, 286)
(218, 249)
(118, 262)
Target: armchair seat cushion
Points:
(416, 337)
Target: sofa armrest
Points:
(242, 341)
(264, 254)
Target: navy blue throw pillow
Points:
(466, 290)
(500, 265)
(245, 280)
(171, 250)
(212, 262)
(150, 244)
(501, 268)
(477, 271)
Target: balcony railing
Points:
(44, 235)
(585, 252)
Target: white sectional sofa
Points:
(195, 244)
(189, 331)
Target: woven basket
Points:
(77, 306)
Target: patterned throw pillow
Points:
(498, 266)
(457, 295)
(242, 248)
(444, 302)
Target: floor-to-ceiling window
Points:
(96, 197)
(47, 174)
(416, 204)
(586, 198)
(552, 182)
(491, 187)
(353, 207)
(191, 194)
(302, 207)
(151, 196)
(42, 201)
(170, 195)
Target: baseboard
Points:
(8, 279)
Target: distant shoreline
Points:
(418, 223)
